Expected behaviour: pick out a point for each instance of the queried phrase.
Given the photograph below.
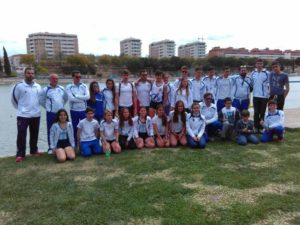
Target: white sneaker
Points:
(50, 152)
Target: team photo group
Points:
(197, 108)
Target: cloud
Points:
(219, 37)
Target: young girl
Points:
(177, 125)
(143, 130)
(109, 133)
(126, 130)
(61, 137)
(184, 94)
(160, 127)
(195, 126)
(96, 101)
(273, 124)
(110, 96)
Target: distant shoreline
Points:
(85, 79)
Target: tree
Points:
(1, 67)
(27, 59)
(7, 68)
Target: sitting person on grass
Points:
(273, 124)
(109, 133)
(160, 127)
(88, 134)
(229, 116)
(245, 130)
(61, 137)
(195, 127)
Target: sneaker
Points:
(37, 153)
(19, 159)
(50, 152)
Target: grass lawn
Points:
(223, 184)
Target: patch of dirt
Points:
(85, 179)
(5, 217)
(145, 221)
(280, 218)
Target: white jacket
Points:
(195, 125)
(53, 99)
(78, 95)
(25, 98)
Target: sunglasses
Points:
(184, 71)
(77, 77)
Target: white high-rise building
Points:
(194, 50)
(49, 45)
(162, 49)
(131, 47)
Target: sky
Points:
(101, 25)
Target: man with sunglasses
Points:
(78, 94)
(184, 75)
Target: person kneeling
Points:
(61, 137)
(245, 130)
(273, 123)
(160, 127)
(88, 134)
(195, 127)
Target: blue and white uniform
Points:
(242, 87)
(108, 99)
(160, 127)
(274, 124)
(52, 99)
(142, 128)
(210, 113)
(176, 84)
(170, 93)
(98, 106)
(224, 88)
(126, 130)
(187, 99)
(108, 129)
(198, 89)
(88, 141)
(25, 98)
(156, 94)
(260, 84)
(195, 127)
(78, 94)
(211, 85)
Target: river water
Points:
(8, 127)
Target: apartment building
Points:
(268, 54)
(194, 50)
(162, 49)
(49, 45)
(131, 47)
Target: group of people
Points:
(151, 112)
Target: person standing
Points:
(143, 87)
(224, 87)
(279, 85)
(126, 95)
(260, 84)
(242, 86)
(184, 70)
(78, 94)
(198, 86)
(52, 98)
(210, 82)
(25, 98)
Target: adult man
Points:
(198, 86)
(279, 85)
(184, 75)
(25, 98)
(126, 94)
(224, 86)
(210, 82)
(260, 83)
(242, 86)
(210, 113)
(78, 94)
(53, 98)
(168, 92)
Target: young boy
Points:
(273, 124)
(228, 116)
(88, 133)
(245, 130)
